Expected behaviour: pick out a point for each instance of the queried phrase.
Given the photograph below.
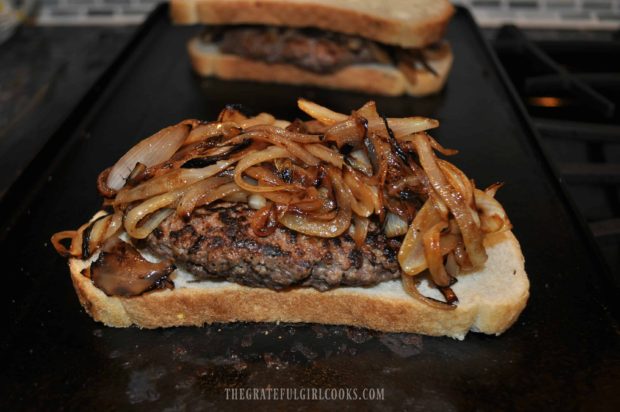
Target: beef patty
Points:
(314, 50)
(219, 244)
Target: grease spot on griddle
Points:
(246, 341)
(142, 385)
(320, 331)
(304, 350)
(402, 344)
(358, 335)
(272, 361)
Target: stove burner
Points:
(569, 82)
(571, 89)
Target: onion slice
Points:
(171, 181)
(359, 230)
(153, 206)
(325, 154)
(320, 113)
(208, 130)
(432, 253)
(402, 126)
(492, 215)
(394, 225)
(411, 254)
(281, 140)
(195, 192)
(411, 288)
(58, 237)
(472, 235)
(150, 151)
(334, 228)
(271, 153)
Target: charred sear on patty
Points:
(219, 244)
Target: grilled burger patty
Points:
(314, 50)
(219, 244)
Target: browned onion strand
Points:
(472, 236)
(175, 179)
(193, 195)
(320, 178)
(320, 113)
(151, 151)
(295, 149)
(58, 237)
(213, 129)
(285, 134)
(269, 154)
(432, 252)
(410, 286)
(360, 230)
(334, 228)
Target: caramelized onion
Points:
(325, 154)
(472, 235)
(295, 149)
(195, 192)
(492, 215)
(334, 228)
(173, 180)
(411, 288)
(257, 201)
(350, 132)
(57, 239)
(150, 151)
(358, 160)
(458, 180)
(208, 130)
(221, 192)
(394, 225)
(360, 230)
(411, 254)
(320, 113)
(286, 134)
(403, 126)
(261, 119)
(263, 221)
(151, 206)
(363, 201)
(93, 235)
(271, 153)
(434, 144)
(432, 253)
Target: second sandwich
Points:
(389, 47)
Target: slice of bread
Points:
(490, 300)
(405, 23)
(384, 79)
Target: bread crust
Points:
(368, 78)
(402, 23)
(385, 307)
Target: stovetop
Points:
(570, 86)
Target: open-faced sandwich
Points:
(341, 219)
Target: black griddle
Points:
(562, 353)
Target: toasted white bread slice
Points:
(405, 23)
(384, 79)
(490, 300)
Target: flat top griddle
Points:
(562, 354)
